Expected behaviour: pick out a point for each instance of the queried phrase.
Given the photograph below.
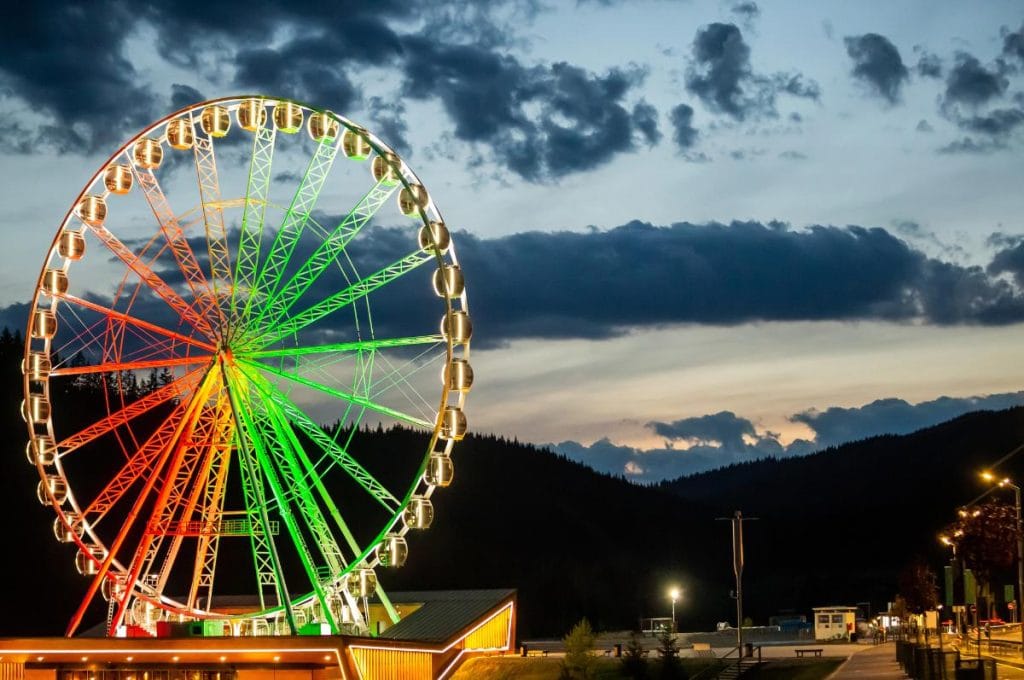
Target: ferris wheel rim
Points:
(427, 213)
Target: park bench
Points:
(703, 650)
(804, 652)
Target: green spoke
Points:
(294, 223)
(294, 414)
(284, 428)
(342, 298)
(358, 345)
(256, 193)
(279, 304)
(345, 396)
(284, 477)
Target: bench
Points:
(804, 652)
(703, 650)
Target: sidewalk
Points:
(873, 663)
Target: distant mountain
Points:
(834, 527)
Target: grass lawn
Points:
(794, 669)
(543, 668)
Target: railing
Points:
(996, 647)
(724, 662)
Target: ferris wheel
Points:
(239, 294)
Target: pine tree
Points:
(634, 663)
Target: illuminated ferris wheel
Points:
(231, 302)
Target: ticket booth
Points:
(834, 623)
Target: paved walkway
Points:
(874, 663)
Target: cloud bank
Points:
(701, 443)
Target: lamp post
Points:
(737, 520)
(1006, 483)
(674, 595)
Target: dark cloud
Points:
(389, 123)
(184, 95)
(724, 438)
(877, 63)
(582, 122)
(747, 11)
(997, 123)
(605, 283)
(296, 70)
(684, 134)
(721, 76)
(645, 118)
(791, 155)
(1013, 44)
(924, 126)
(67, 61)
(654, 465)
(972, 84)
(724, 429)
(838, 425)
(970, 145)
(929, 66)
(1009, 259)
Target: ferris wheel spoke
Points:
(132, 365)
(297, 417)
(338, 394)
(267, 448)
(212, 511)
(340, 347)
(176, 520)
(213, 217)
(295, 219)
(132, 321)
(205, 305)
(180, 446)
(398, 378)
(305, 470)
(332, 247)
(253, 215)
(176, 389)
(155, 283)
(163, 446)
(264, 551)
(340, 300)
(140, 464)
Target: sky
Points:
(693, 233)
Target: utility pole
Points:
(737, 567)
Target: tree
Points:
(919, 587)
(986, 540)
(634, 663)
(671, 668)
(579, 644)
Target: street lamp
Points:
(1006, 483)
(674, 595)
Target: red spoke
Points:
(153, 280)
(131, 320)
(192, 411)
(131, 365)
(172, 390)
(206, 303)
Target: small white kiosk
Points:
(834, 623)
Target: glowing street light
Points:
(674, 595)
(1006, 483)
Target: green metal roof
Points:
(444, 613)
